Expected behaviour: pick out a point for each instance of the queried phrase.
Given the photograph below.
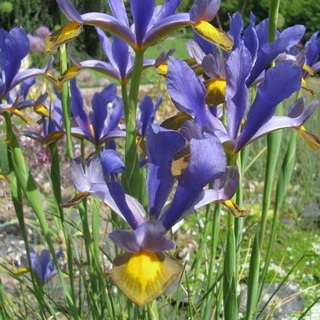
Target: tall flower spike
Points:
(149, 25)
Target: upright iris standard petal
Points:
(120, 53)
(186, 89)
(238, 69)
(15, 47)
(142, 12)
(119, 11)
(159, 178)
(100, 111)
(236, 27)
(199, 172)
(279, 83)
(77, 109)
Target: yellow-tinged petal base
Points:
(143, 276)
(63, 35)
(311, 139)
(162, 69)
(75, 200)
(235, 210)
(305, 86)
(216, 91)
(212, 34)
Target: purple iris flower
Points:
(120, 60)
(145, 271)
(14, 46)
(41, 264)
(278, 84)
(52, 121)
(254, 38)
(162, 145)
(102, 124)
(150, 23)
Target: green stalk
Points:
(65, 102)
(56, 186)
(131, 178)
(230, 273)
(215, 228)
(273, 19)
(274, 143)
(274, 138)
(282, 186)
(253, 280)
(30, 190)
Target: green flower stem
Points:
(30, 190)
(274, 138)
(65, 101)
(282, 186)
(132, 178)
(17, 200)
(230, 273)
(215, 228)
(273, 19)
(253, 280)
(56, 186)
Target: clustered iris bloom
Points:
(186, 157)
(150, 23)
(146, 271)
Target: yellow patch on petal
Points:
(53, 137)
(143, 276)
(162, 69)
(235, 210)
(69, 74)
(216, 91)
(63, 35)
(76, 199)
(305, 86)
(176, 122)
(307, 68)
(179, 164)
(311, 139)
(212, 34)
(18, 113)
(42, 110)
(21, 271)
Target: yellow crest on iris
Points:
(212, 34)
(216, 91)
(311, 139)
(143, 276)
(63, 35)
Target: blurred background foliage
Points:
(33, 14)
